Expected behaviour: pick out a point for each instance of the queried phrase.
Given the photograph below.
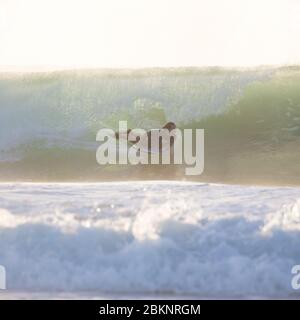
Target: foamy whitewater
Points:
(171, 239)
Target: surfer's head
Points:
(170, 126)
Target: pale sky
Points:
(148, 33)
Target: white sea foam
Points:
(176, 238)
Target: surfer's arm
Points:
(125, 135)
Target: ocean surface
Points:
(71, 228)
(251, 117)
(148, 239)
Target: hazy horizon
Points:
(143, 34)
(41, 69)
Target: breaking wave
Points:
(167, 238)
(251, 118)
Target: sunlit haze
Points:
(148, 33)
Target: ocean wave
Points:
(152, 238)
(49, 121)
